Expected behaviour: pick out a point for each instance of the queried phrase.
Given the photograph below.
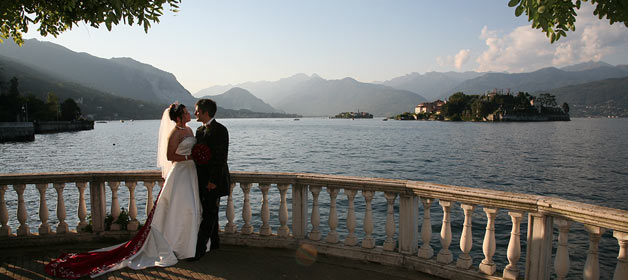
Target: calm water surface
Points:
(582, 160)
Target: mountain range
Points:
(238, 98)
(122, 77)
(94, 104)
(81, 74)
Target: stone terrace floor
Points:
(229, 262)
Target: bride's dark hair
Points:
(175, 111)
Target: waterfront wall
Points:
(16, 131)
(62, 126)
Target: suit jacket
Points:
(216, 137)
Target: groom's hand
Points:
(211, 186)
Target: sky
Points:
(222, 42)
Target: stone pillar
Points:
(621, 270)
(514, 246)
(426, 251)
(299, 210)
(539, 246)
(315, 234)
(247, 228)
(82, 208)
(561, 262)
(389, 243)
(487, 266)
(445, 255)
(115, 205)
(368, 241)
(22, 216)
(62, 227)
(408, 230)
(464, 259)
(44, 228)
(149, 196)
(98, 204)
(5, 229)
(265, 212)
(351, 239)
(230, 227)
(332, 236)
(133, 223)
(592, 265)
(284, 230)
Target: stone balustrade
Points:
(354, 234)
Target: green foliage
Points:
(15, 107)
(123, 220)
(55, 16)
(70, 111)
(461, 107)
(557, 17)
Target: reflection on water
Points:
(582, 160)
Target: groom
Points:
(213, 177)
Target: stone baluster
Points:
(592, 265)
(231, 226)
(445, 255)
(265, 214)
(561, 262)
(115, 205)
(149, 196)
(284, 230)
(44, 228)
(332, 236)
(514, 246)
(368, 241)
(133, 223)
(351, 239)
(621, 270)
(247, 228)
(464, 259)
(315, 234)
(62, 226)
(5, 229)
(426, 251)
(82, 208)
(23, 229)
(389, 243)
(487, 266)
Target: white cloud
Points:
(457, 60)
(461, 58)
(527, 49)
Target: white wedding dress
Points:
(171, 228)
(176, 219)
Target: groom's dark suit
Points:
(216, 171)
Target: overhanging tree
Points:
(557, 17)
(56, 16)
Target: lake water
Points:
(582, 160)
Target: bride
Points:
(171, 228)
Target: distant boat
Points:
(384, 119)
(121, 121)
(296, 119)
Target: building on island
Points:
(429, 107)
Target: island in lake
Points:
(353, 115)
(494, 106)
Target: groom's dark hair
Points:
(207, 105)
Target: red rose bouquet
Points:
(201, 154)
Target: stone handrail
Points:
(542, 214)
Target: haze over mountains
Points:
(123, 77)
(58, 68)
